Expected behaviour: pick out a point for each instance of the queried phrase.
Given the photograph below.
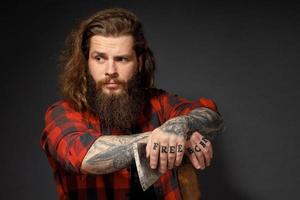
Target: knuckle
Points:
(206, 154)
(153, 160)
(171, 155)
(199, 154)
(164, 138)
(171, 158)
(204, 150)
(181, 139)
(181, 142)
(193, 137)
(173, 139)
(163, 159)
(179, 154)
(154, 139)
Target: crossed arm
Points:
(111, 153)
(165, 144)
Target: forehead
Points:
(116, 45)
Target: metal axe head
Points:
(147, 175)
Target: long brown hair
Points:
(110, 22)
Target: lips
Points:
(112, 85)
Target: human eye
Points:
(122, 59)
(99, 59)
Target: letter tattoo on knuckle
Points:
(190, 150)
(197, 149)
(164, 149)
(202, 144)
(155, 145)
(172, 149)
(179, 148)
(205, 140)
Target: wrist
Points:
(177, 125)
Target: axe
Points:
(186, 174)
(147, 175)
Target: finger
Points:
(206, 152)
(154, 153)
(179, 152)
(205, 143)
(163, 157)
(148, 147)
(199, 154)
(208, 146)
(190, 153)
(172, 153)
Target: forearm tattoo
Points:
(176, 125)
(111, 153)
(203, 120)
(206, 121)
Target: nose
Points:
(111, 69)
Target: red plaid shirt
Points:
(69, 134)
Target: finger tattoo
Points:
(155, 145)
(202, 144)
(172, 149)
(197, 149)
(179, 148)
(190, 150)
(205, 139)
(164, 149)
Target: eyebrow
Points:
(116, 56)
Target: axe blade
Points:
(147, 175)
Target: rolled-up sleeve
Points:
(174, 105)
(67, 136)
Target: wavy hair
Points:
(110, 22)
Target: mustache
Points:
(107, 80)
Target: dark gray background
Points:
(242, 55)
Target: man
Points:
(110, 104)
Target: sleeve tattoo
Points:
(111, 153)
(204, 120)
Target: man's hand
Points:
(199, 151)
(165, 149)
(166, 144)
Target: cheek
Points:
(129, 72)
(94, 70)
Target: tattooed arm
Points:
(111, 153)
(203, 120)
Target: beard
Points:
(117, 110)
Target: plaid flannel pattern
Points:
(69, 134)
